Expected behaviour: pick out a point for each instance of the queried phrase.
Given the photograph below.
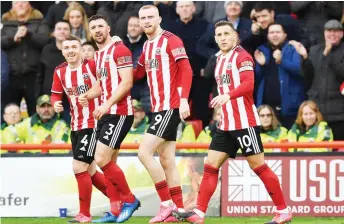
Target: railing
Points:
(285, 145)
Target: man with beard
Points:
(115, 115)
(42, 126)
(238, 128)
(167, 65)
(278, 70)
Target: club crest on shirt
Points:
(85, 76)
(158, 51)
(107, 58)
(229, 66)
(102, 74)
(151, 64)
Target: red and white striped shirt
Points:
(234, 74)
(159, 58)
(108, 60)
(75, 82)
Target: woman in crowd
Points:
(310, 127)
(271, 131)
(77, 17)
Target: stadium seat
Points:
(197, 126)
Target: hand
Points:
(259, 57)
(58, 106)
(100, 111)
(327, 49)
(21, 32)
(219, 100)
(82, 99)
(277, 54)
(255, 28)
(184, 109)
(300, 49)
(253, 14)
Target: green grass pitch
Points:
(140, 220)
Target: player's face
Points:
(265, 117)
(309, 116)
(134, 29)
(149, 20)
(265, 18)
(225, 38)
(61, 31)
(276, 35)
(45, 112)
(75, 18)
(99, 30)
(88, 52)
(233, 9)
(71, 50)
(12, 115)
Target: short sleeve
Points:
(123, 56)
(57, 85)
(177, 48)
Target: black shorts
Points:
(248, 140)
(164, 124)
(112, 129)
(84, 144)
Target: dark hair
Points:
(96, 17)
(224, 23)
(278, 24)
(71, 37)
(260, 6)
(63, 21)
(91, 43)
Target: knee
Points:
(92, 169)
(79, 167)
(166, 163)
(143, 155)
(212, 162)
(100, 159)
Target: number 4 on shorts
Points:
(85, 142)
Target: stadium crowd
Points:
(297, 46)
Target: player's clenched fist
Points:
(184, 109)
(58, 106)
(82, 99)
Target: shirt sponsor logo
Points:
(75, 91)
(102, 74)
(223, 79)
(151, 64)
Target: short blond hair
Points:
(149, 7)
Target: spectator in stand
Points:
(264, 15)
(23, 37)
(12, 116)
(190, 29)
(118, 14)
(280, 7)
(57, 11)
(313, 15)
(77, 17)
(210, 10)
(134, 41)
(310, 127)
(43, 126)
(207, 46)
(278, 70)
(206, 135)
(271, 130)
(323, 69)
(88, 50)
(5, 76)
(51, 57)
